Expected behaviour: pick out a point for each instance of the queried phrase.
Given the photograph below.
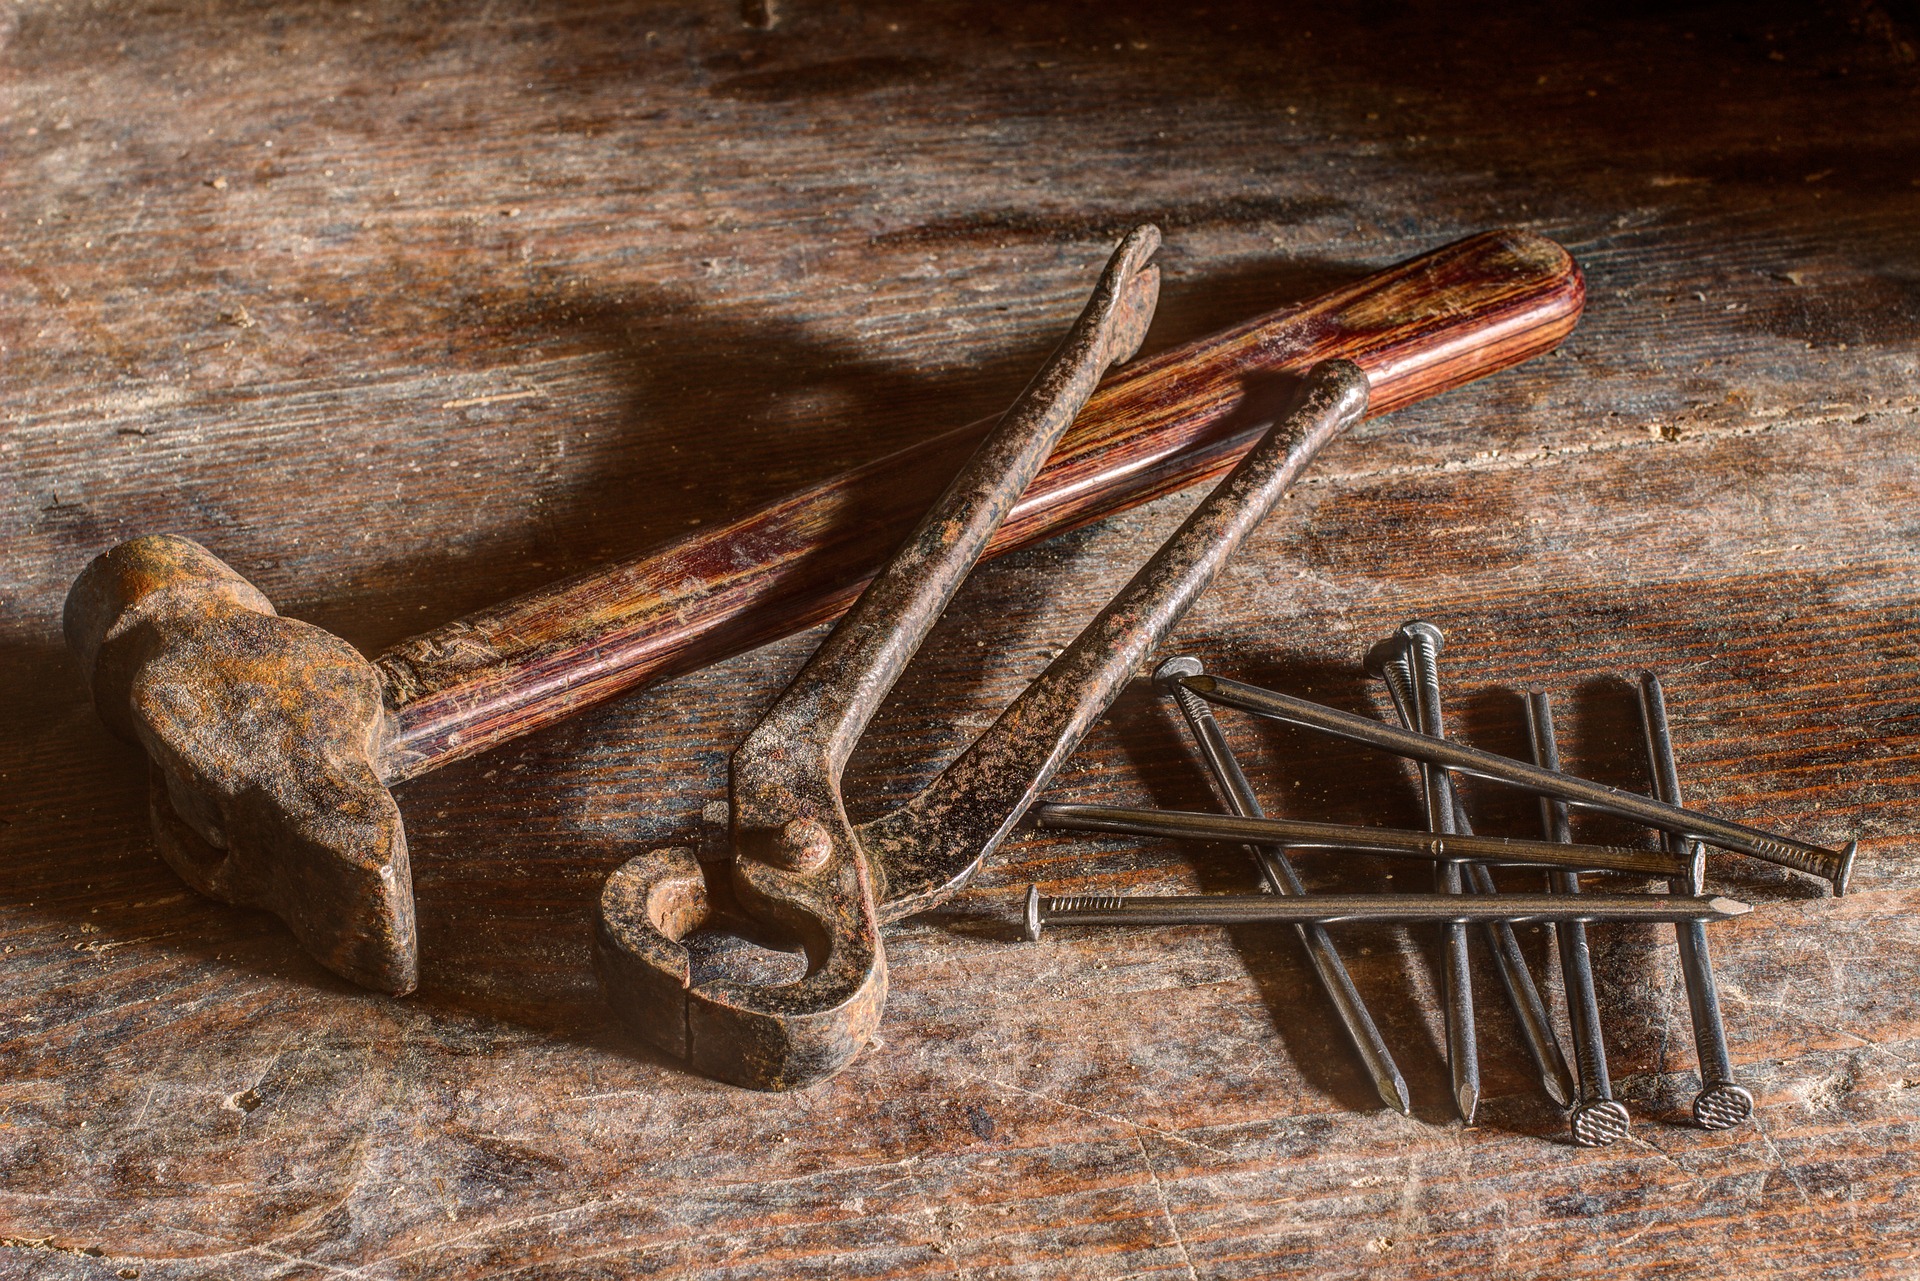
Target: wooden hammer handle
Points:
(1418, 328)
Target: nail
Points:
(1417, 700)
(1597, 1119)
(1456, 988)
(1721, 1102)
(1281, 878)
(1835, 866)
(1375, 909)
(1389, 842)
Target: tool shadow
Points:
(650, 769)
(509, 849)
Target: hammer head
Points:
(262, 733)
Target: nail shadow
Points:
(1335, 782)
(1394, 968)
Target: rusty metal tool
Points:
(1833, 866)
(1722, 1102)
(273, 745)
(1281, 878)
(1377, 909)
(1391, 842)
(1597, 1120)
(800, 870)
(1406, 662)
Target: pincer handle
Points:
(1417, 328)
(933, 845)
(799, 871)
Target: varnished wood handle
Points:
(1418, 328)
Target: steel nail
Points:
(1411, 699)
(1721, 1102)
(1281, 878)
(1389, 842)
(1359, 909)
(1597, 1119)
(1463, 1044)
(1835, 866)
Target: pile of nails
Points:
(1464, 890)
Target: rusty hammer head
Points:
(262, 733)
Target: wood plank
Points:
(521, 287)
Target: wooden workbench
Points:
(401, 308)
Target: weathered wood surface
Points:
(402, 309)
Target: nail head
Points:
(1169, 673)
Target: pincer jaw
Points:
(1138, 294)
(764, 1038)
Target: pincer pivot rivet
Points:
(803, 845)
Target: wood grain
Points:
(585, 278)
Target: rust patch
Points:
(261, 732)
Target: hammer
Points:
(273, 744)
